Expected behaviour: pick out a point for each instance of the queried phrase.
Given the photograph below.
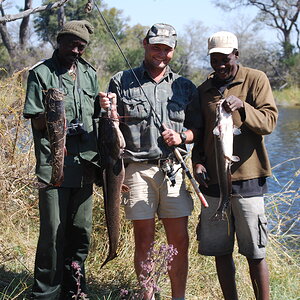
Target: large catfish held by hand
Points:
(56, 127)
(111, 145)
(223, 141)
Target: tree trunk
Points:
(6, 38)
(7, 41)
(61, 17)
(287, 46)
(24, 27)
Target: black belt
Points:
(157, 162)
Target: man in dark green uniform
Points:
(65, 211)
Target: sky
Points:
(177, 13)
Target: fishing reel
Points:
(76, 128)
(167, 166)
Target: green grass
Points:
(19, 229)
(18, 247)
(289, 96)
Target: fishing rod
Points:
(173, 148)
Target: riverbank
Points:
(19, 225)
(287, 97)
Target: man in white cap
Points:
(158, 96)
(247, 95)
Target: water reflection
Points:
(284, 152)
(284, 145)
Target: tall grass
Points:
(288, 96)
(19, 228)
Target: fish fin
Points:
(216, 131)
(109, 258)
(235, 158)
(42, 185)
(236, 131)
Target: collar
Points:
(143, 72)
(82, 64)
(238, 79)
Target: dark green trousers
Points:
(65, 229)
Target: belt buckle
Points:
(161, 161)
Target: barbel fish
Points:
(111, 146)
(56, 128)
(224, 132)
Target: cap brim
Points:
(171, 42)
(221, 50)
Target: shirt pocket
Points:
(136, 108)
(176, 107)
(88, 100)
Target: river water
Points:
(283, 145)
(284, 187)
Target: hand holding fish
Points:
(232, 103)
(108, 101)
(200, 174)
(171, 137)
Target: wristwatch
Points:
(183, 137)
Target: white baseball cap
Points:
(222, 42)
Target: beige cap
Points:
(222, 42)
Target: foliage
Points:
(288, 96)
(46, 23)
(131, 45)
(190, 58)
(293, 64)
(281, 15)
(4, 57)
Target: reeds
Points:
(19, 228)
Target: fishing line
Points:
(163, 127)
(129, 65)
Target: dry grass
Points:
(19, 228)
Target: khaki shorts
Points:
(150, 193)
(246, 219)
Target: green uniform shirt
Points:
(80, 102)
(140, 121)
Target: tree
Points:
(16, 48)
(282, 15)
(191, 53)
(256, 53)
